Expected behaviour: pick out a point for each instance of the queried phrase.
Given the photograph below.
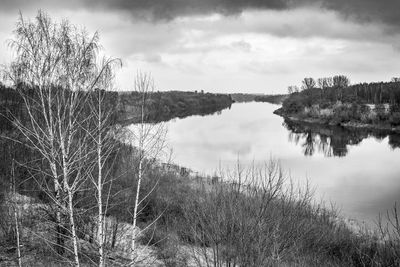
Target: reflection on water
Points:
(358, 170)
(331, 140)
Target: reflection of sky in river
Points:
(363, 183)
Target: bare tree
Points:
(389, 228)
(320, 83)
(325, 83)
(254, 218)
(341, 81)
(55, 66)
(292, 89)
(148, 138)
(308, 83)
(103, 135)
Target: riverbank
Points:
(191, 219)
(160, 106)
(244, 98)
(164, 106)
(324, 120)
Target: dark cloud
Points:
(385, 11)
(170, 9)
(153, 9)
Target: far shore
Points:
(350, 124)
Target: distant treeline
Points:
(338, 88)
(366, 93)
(275, 99)
(240, 97)
(164, 106)
(12, 104)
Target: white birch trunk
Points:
(57, 191)
(17, 233)
(140, 175)
(100, 222)
(16, 216)
(135, 212)
(73, 230)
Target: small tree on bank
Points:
(149, 139)
(308, 83)
(103, 137)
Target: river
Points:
(358, 171)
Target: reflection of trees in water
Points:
(394, 140)
(309, 144)
(332, 140)
(311, 141)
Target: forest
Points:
(335, 101)
(77, 188)
(163, 106)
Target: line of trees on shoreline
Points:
(334, 100)
(162, 106)
(338, 88)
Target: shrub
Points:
(395, 119)
(256, 221)
(341, 113)
(293, 105)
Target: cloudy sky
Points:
(257, 46)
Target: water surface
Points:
(359, 171)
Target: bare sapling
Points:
(149, 139)
(103, 134)
(16, 217)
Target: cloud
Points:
(154, 9)
(242, 45)
(380, 11)
(367, 10)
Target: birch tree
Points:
(58, 63)
(148, 138)
(103, 133)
